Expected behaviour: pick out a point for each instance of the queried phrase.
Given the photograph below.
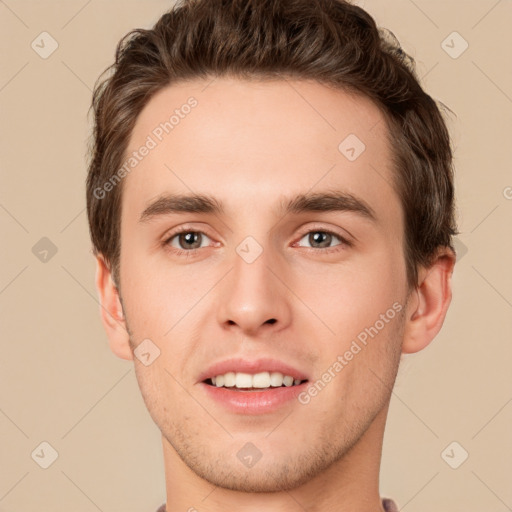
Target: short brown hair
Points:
(330, 41)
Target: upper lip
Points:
(251, 366)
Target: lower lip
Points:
(253, 402)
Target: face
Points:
(293, 259)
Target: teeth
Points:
(229, 379)
(243, 380)
(276, 379)
(288, 381)
(259, 380)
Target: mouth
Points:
(249, 399)
(262, 381)
(254, 387)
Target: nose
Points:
(254, 297)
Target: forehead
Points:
(249, 142)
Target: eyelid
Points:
(348, 240)
(171, 233)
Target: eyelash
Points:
(192, 252)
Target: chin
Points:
(263, 480)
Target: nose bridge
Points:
(252, 296)
(251, 264)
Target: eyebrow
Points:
(302, 203)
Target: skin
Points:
(250, 144)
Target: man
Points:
(270, 199)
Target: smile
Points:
(253, 382)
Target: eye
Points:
(322, 239)
(187, 241)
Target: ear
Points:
(111, 311)
(428, 304)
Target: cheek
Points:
(350, 297)
(160, 391)
(157, 293)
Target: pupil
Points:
(317, 237)
(190, 238)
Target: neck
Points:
(349, 484)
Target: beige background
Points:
(61, 384)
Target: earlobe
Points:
(429, 303)
(111, 311)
